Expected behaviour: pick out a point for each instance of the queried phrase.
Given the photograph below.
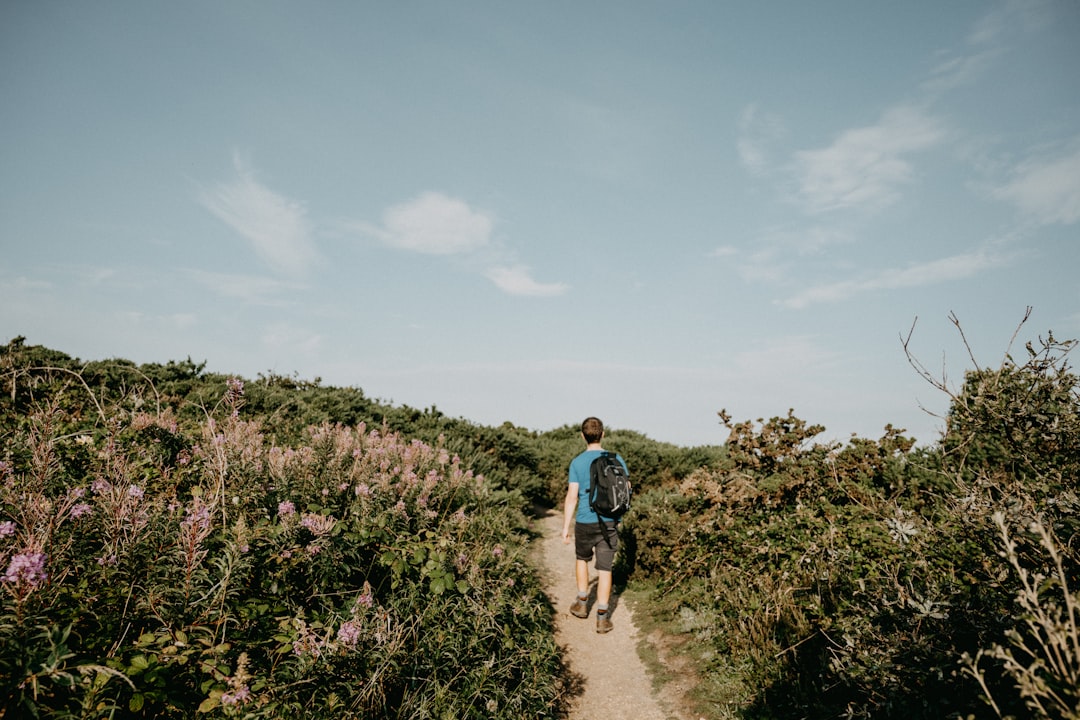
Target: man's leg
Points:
(603, 587)
(581, 570)
(603, 594)
(605, 558)
(580, 606)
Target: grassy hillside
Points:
(179, 543)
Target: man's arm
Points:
(569, 505)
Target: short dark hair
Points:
(592, 429)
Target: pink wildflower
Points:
(286, 508)
(349, 633)
(27, 567)
(237, 697)
(7, 528)
(497, 551)
(81, 509)
(235, 386)
(198, 516)
(318, 525)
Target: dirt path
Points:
(611, 680)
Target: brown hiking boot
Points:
(579, 609)
(603, 623)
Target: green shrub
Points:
(159, 568)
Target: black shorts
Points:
(604, 539)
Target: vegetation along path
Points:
(609, 678)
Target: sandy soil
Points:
(610, 679)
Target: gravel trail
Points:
(611, 680)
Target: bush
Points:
(156, 568)
(852, 580)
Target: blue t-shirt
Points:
(579, 473)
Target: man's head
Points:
(593, 430)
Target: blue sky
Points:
(534, 212)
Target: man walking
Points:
(593, 534)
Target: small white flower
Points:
(901, 530)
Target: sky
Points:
(536, 212)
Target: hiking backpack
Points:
(609, 487)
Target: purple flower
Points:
(237, 697)
(349, 633)
(28, 567)
(235, 386)
(197, 516)
(100, 486)
(134, 491)
(318, 525)
(497, 551)
(7, 528)
(81, 509)
(285, 508)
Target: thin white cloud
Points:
(1048, 189)
(865, 166)
(988, 40)
(1010, 16)
(276, 226)
(281, 336)
(249, 288)
(779, 250)
(956, 267)
(162, 323)
(22, 283)
(434, 224)
(517, 280)
(957, 71)
(758, 131)
(722, 251)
